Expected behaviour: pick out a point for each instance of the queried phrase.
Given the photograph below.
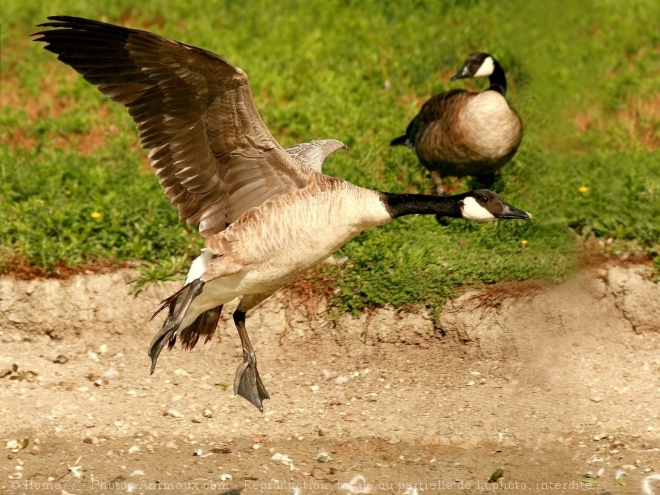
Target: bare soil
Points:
(559, 389)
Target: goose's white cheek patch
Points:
(486, 69)
(474, 211)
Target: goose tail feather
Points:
(205, 324)
(178, 305)
(399, 141)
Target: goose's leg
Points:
(437, 181)
(247, 382)
(439, 191)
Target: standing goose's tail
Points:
(400, 141)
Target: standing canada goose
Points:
(465, 132)
(267, 214)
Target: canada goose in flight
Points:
(465, 132)
(267, 214)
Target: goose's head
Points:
(482, 204)
(478, 64)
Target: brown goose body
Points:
(267, 213)
(459, 133)
(466, 133)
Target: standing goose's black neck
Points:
(399, 205)
(497, 79)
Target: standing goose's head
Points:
(478, 64)
(482, 204)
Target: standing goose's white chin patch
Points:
(474, 211)
(486, 69)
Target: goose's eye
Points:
(484, 199)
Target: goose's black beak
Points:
(461, 74)
(512, 213)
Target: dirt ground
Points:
(553, 391)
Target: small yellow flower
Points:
(523, 243)
(67, 192)
(96, 215)
(583, 189)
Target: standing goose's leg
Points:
(247, 382)
(439, 191)
(437, 180)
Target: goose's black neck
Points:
(399, 205)
(497, 79)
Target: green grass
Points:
(583, 76)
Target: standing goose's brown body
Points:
(267, 213)
(461, 133)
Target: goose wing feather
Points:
(210, 149)
(441, 107)
(314, 153)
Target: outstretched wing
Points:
(212, 153)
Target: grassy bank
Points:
(75, 187)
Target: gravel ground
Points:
(554, 391)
